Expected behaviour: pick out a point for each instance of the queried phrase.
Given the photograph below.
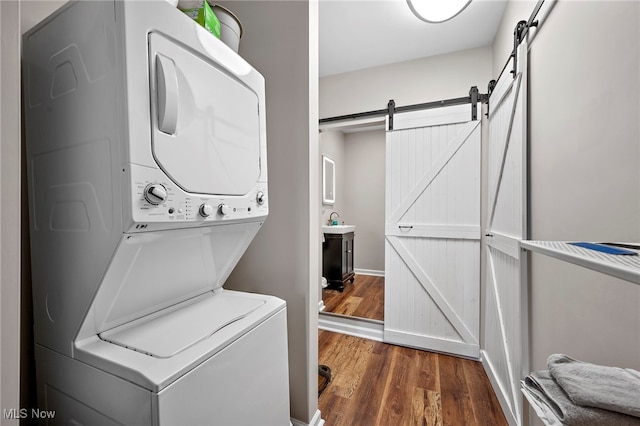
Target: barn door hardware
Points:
(518, 35)
(490, 87)
(391, 108)
(474, 98)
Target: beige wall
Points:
(364, 186)
(10, 210)
(444, 76)
(585, 177)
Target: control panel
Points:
(157, 202)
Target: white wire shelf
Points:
(626, 267)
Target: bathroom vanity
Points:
(337, 256)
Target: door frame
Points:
(354, 326)
(516, 354)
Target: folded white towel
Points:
(557, 405)
(591, 385)
(540, 405)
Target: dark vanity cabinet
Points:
(337, 260)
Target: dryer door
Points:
(205, 122)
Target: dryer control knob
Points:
(224, 209)
(206, 210)
(155, 194)
(260, 198)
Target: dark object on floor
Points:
(324, 377)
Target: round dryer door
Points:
(206, 134)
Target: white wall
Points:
(280, 42)
(10, 211)
(364, 186)
(439, 77)
(584, 173)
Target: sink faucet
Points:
(330, 221)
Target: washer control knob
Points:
(224, 209)
(260, 198)
(206, 210)
(155, 194)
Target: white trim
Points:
(623, 267)
(353, 125)
(451, 347)
(358, 327)
(503, 334)
(321, 306)
(409, 229)
(432, 117)
(371, 272)
(316, 420)
(502, 90)
(307, 355)
(504, 243)
(512, 348)
(505, 147)
(495, 384)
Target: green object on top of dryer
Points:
(202, 13)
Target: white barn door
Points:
(505, 348)
(432, 235)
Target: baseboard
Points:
(373, 272)
(497, 389)
(359, 327)
(316, 420)
(449, 347)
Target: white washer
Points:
(147, 172)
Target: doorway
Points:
(358, 150)
(428, 226)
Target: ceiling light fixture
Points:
(436, 11)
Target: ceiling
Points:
(359, 34)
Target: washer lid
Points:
(206, 127)
(168, 333)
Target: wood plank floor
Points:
(379, 384)
(363, 299)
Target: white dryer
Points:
(147, 174)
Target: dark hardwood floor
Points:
(364, 298)
(379, 384)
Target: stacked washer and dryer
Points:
(147, 174)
